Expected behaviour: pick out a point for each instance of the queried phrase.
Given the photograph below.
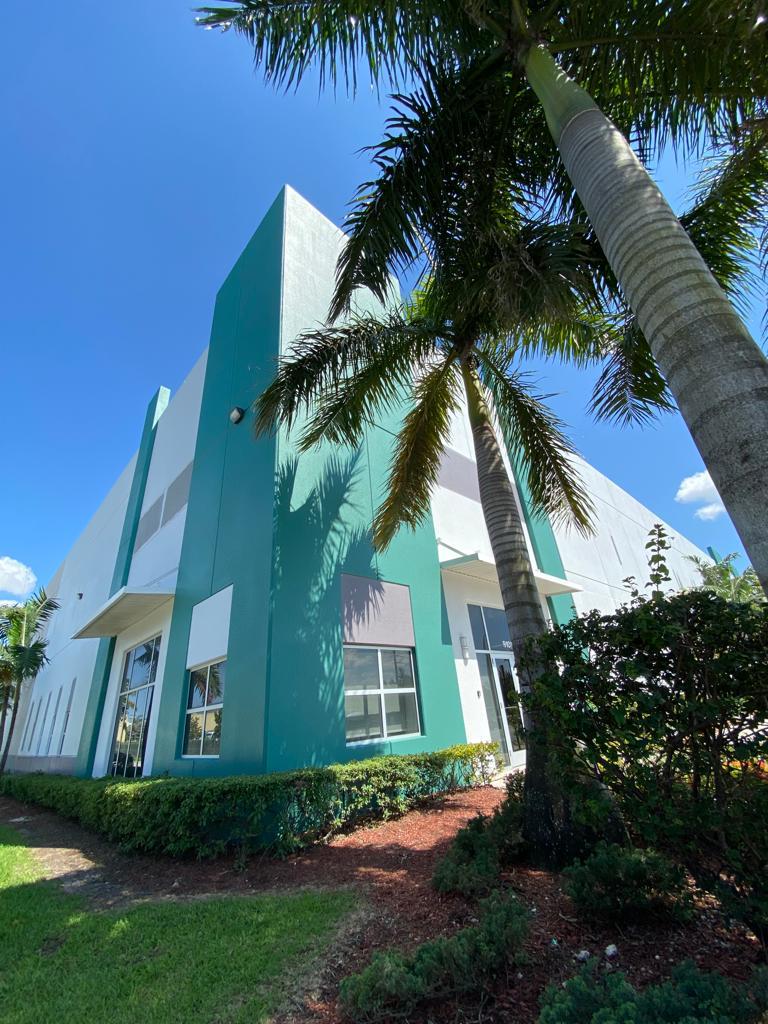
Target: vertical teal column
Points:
(229, 523)
(97, 694)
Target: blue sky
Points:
(139, 154)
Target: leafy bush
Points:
(484, 846)
(690, 996)
(615, 882)
(666, 703)
(280, 813)
(395, 983)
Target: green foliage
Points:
(484, 846)
(723, 579)
(23, 652)
(616, 883)
(395, 983)
(665, 701)
(689, 996)
(280, 813)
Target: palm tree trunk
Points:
(14, 713)
(522, 604)
(714, 368)
(4, 713)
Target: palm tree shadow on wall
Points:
(324, 533)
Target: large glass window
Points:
(205, 702)
(134, 707)
(379, 693)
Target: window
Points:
(66, 715)
(202, 733)
(177, 495)
(379, 693)
(134, 707)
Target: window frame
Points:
(383, 691)
(202, 709)
(155, 638)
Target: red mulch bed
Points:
(392, 863)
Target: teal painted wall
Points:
(228, 530)
(94, 710)
(326, 503)
(281, 529)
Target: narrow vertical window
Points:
(205, 704)
(65, 723)
(137, 685)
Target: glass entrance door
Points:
(493, 647)
(493, 706)
(508, 688)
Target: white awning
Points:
(479, 569)
(123, 610)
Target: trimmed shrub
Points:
(664, 702)
(394, 983)
(278, 813)
(689, 996)
(615, 882)
(484, 846)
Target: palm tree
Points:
(22, 629)
(723, 578)
(592, 76)
(6, 689)
(495, 283)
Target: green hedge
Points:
(278, 813)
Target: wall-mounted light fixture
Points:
(236, 414)
(464, 644)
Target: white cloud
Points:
(711, 511)
(15, 577)
(698, 489)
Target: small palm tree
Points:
(723, 578)
(586, 77)
(23, 644)
(6, 689)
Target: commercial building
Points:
(224, 611)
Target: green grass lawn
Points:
(206, 961)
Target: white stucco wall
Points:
(156, 562)
(87, 570)
(600, 563)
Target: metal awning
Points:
(124, 609)
(479, 569)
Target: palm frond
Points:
(341, 38)
(535, 438)
(321, 361)
(676, 70)
(447, 149)
(341, 413)
(418, 450)
(728, 214)
(630, 388)
(28, 659)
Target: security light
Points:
(236, 414)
